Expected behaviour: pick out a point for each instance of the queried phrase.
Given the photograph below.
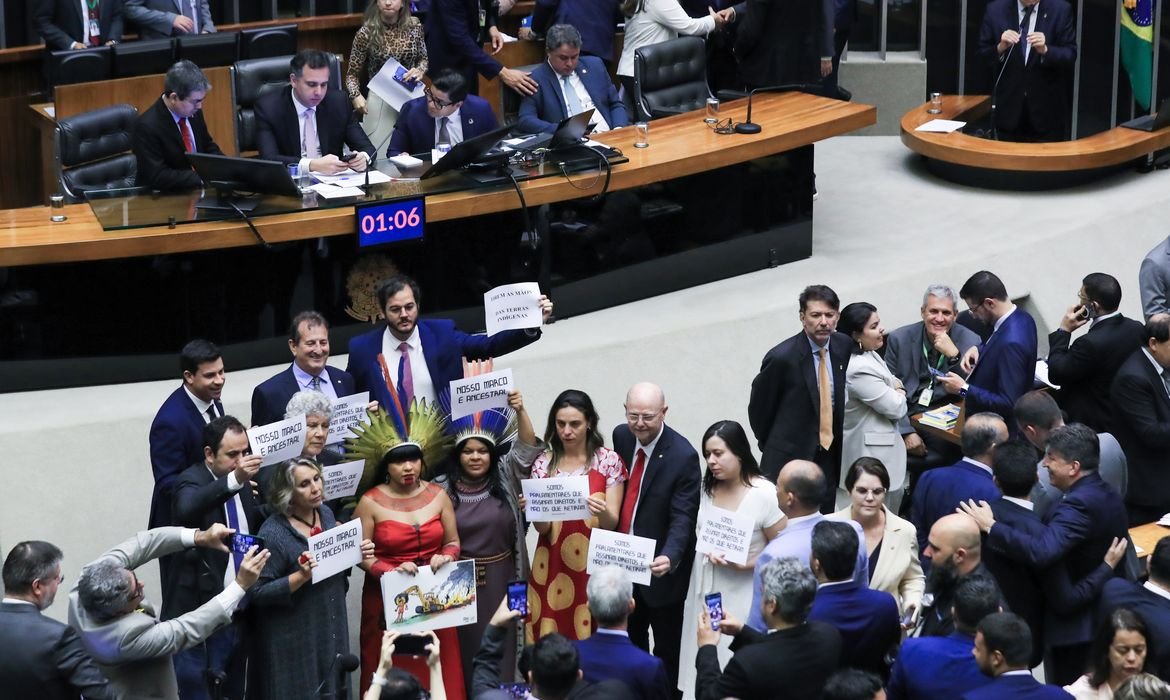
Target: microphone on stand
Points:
(995, 88)
(343, 664)
(750, 127)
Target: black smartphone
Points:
(715, 609)
(241, 543)
(413, 644)
(518, 597)
(348, 156)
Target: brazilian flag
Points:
(1137, 47)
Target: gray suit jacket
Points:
(905, 359)
(134, 651)
(1154, 280)
(873, 409)
(155, 18)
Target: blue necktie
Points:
(572, 104)
(233, 521)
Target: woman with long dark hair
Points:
(733, 482)
(1119, 652)
(556, 585)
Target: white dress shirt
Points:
(202, 405)
(454, 128)
(424, 386)
(583, 98)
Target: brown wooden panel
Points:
(1107, 148)
(679, 146)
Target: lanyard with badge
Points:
(927, 394)
(95, 30)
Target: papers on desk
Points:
(404, 160)
(388, 85)
(941, 126)
(351, 178)
(51, 110)
(1165, 521)
(335, 191)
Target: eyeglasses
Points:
(642, 417)
(439, 104)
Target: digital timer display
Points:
(391, 222)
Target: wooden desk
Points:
(1146, 537)
(680, 145)
(1108, 148)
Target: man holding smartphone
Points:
(219, 490)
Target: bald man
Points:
(661, 502)
(953, 548)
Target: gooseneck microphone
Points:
(750, 127)
(341, 665)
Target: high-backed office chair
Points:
(209, 50)
(670, 77)
(265, 42)
(84, 66)
(147, 57)
(93, 151)
(256, 77)
(510, 99)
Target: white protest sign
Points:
(341, 480)
(336, 550)
(348, 411)
(556, 498)
(480, 392)
(513, 307)
(278, 441)
(726, 533)
(629, 552)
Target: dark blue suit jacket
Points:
(444, 347)
(176, 442)
(928, 668)
(278, 132)
(1079, 529)
(867, 620)
(544, 110)
(614, 656)
(271, 396)
(1153, 608)
(452, 28)
(1006, 368)
(940, 491)
(597, 21)
(667, 509)
(414, 132)
(1017, 688)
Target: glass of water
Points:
(712, 110)
(935, 103)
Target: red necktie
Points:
(633, 486)
(186, 135)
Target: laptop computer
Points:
(568, 133)
(467, 152)
(1152, 122)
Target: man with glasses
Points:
(172, 128)
(570, 84)
(119, 627)
(661, 502)
(39, 656)
(447, 114)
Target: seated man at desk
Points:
(309, 124)
(172, 128)
(570, 84)
(64, 24)
(446, 114)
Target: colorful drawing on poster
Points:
(430, 600)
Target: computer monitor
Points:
(82, 66)
(230, 176)
(148, 57)
(266, 42)
(209, 50)
(467, 152)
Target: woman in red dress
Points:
(556, 583)
(412, 524)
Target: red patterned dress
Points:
(556, 584)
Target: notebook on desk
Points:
(1152, 122)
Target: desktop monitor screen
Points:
(467, 152)
(208, 50)
(143, 57)
(243, 174)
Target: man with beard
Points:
(953, 547)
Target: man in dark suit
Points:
(420, 357)
(219, 489)
(1079, 531)
(780, 43)
(309, 124)
(928, 668)
(1084, 370)
(610, 653)
(1029, 50)
(867, 619)
(798, 399)
(308, 341)
(1151, 600)
(63, 25)
(955, 552)
(452, 35)
(597, 21)
(445, 114)
(1002, 646)
(936, 343)
(158, 19)
(661, 502)
(1002, 369)
(940, 491)
(792, 660)
(172, 128)
(1142, 425)
(39, 656)
(570, 84)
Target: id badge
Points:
(482, 18)
(926, 396)
(94, 30)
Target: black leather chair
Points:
(147, 57)
(266, 42)
(670, 77)
(256, 77)
(93, 151)
(510, 99)
(84, 66)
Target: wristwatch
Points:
(379, 680)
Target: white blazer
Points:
(872, 411)
(898, 571)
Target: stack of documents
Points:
(943, 417)
(1165, 520)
